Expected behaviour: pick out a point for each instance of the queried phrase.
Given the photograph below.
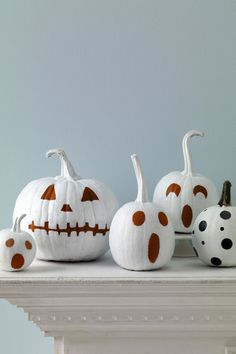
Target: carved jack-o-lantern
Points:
(141, 236)
(69, 217)
(183, 195)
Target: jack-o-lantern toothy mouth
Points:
(69, 229)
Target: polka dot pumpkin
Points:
(17, 248)
(141, 236)
(214, 235)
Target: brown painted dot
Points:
(153, 247)
(28, 245)
(138, 218)
(10, 242)
(163, 218)
(17, 261)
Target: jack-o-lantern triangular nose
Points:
(66, 207)
(89, 195)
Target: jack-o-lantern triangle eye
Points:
(49, 193)
(89, 195)
(173, 188)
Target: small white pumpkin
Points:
(183, 195)
(214, 235)
(69, 217)
(17, 248)
(141, 235)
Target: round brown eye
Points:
(163, 218)
(10, 242)
(28, 245)
(138, 218)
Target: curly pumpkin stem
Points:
(142, 195)
(67, 170)
(225, 199)
(16, 226)
(187, 159)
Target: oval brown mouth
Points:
(187, 215)
(153, 248)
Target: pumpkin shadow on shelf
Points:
(198, 264)
(46, 266)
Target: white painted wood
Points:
(230, 350)
(59, 347)
(142, 345)
(185, 270)
(98, 307)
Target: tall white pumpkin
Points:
(68, 216)
(141, 234)
(183, 195)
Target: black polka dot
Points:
(195, 251)
(202, 225)
(226, 243)
(203, 242)
(216, 261)
(193, 232)
(225, 215)
(222, 228)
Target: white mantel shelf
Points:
(97, 307)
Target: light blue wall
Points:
(104, 79)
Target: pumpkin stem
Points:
(187, 159)
(16, 226)
(67, 170)
(225, 199)
(142, 195)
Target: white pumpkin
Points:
(183, 195)
(69, 217)
(17, 248)
(214, 238)
(141, 235)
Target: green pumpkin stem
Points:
(225, 199)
